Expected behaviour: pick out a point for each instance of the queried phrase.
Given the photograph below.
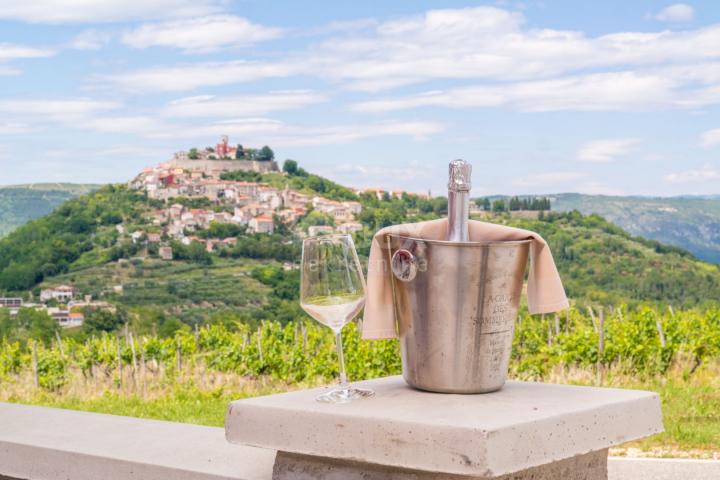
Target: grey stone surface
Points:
(39, 443)
(49, 444)
(292, 466)
(524, 425)
(662, 469)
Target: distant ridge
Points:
(22, 203)
(691, 222)
(59, 186)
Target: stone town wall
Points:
(229, 165)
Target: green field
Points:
(192, 375)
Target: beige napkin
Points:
(544, 290)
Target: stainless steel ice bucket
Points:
(455, 308)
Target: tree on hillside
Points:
(195, 252)
(18, 276)
(239, 152)
(35, 324)
(97, 321)
(193, 154)
(290, 167)
(499, 206)
(265, 154)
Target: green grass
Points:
(691, 412)
(184, 403)
(691, 408)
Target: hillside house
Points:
(292, 198)
(165, 252)
(291, 215)
(175, 229)
(353, 207)
(262, 224)
(62, 293)
(269, 196)
(215, 243)
(175, 211)
(73, 319)
(154, 237)
(11, 302)
(342, 212)
(256, 209)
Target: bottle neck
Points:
(458, 214)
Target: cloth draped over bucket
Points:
(545, 291)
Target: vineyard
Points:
(643, 342)
(674, 352)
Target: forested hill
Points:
(22, 203)
(601, 263)
(79, 243)
(692, 223)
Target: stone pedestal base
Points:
(292, 466)
(526, 431)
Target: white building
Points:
(262, 224)
(63, 293)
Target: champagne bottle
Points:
(458, 200)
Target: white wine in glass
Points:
(332, 291)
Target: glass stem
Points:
(341, 360)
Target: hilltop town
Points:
(256, 206)
(202, 206)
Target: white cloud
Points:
(54, 108)
(606, 150)
(199, 35)
(592, 92)
(548, 179)
(273, 132)
(86, 114)
(710, 138)
(137, 124)
(384, 175)
(346, 26)
(37, 113)
(91, 40)
(9, 51)
(630, 70)
(88, 11)
(241, 105)
(679, 12)
(704, 174)
(8, 71)
(494, 44)
(180, 78)
(12, 128)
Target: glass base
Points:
(344, 395)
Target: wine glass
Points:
(332, 291)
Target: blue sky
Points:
(609, 97)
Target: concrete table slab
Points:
(38, 443)
(524, 425)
